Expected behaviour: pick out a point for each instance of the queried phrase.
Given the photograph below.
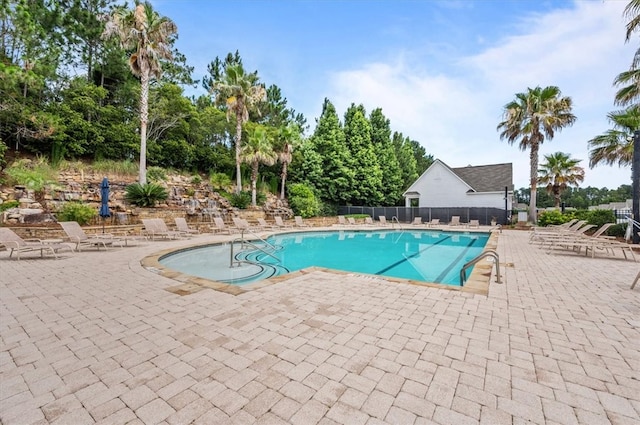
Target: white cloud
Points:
(455, 115)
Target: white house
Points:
(480, 186)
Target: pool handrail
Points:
(244, 242)
(483, 254)
(394, 218)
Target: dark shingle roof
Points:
(487, 178)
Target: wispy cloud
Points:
(454, 113)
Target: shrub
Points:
(145, 195)
(554, 217)
(156, 174)
(240, 200)
(220, 181)
(196, 179)
(7, 205)
(76, 211)
(302, 200)
(617, 230)
(122, 168)
(35, 176)
(600, 217)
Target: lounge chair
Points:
(16, 244)
(351, 221)
(342, 221)
(455, 220)
(383, 220)
(84, 240)
(368, 221)
(474, 223)
(417, 221)
(264, 225)
(156, 227)
(183, 226)
(299, 221)
(221, 227)
(434, 222)
(280, 223)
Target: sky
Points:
(441, 71)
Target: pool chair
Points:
(383, 220)
(15, 243)
(157, 228)
(342, 221)
(474, 223)
(221, 227)
(183, 226)
(83, 240)
(434, 222)
(264, 225)
(280, 223)
(368, 221)
(455, 220)
(417, 221)
(299, 221)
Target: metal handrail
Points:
(484, 254)
(244, 243)
(397, 221)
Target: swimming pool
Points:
(422, 255)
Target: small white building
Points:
(469, 187)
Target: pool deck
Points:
(94, 337)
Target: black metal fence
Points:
(407, 214)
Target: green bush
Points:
(600, 217)
(156, 174)
(196, 179)
(220, 181)
(7, 205)
(552, 217)
(122, 168)
(240, 200)
(33, 175)
(76, 211)
(302, 200)
(145, 195)
(3, 149)
(617, 230)
(327, 209)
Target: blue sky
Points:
(440, 70)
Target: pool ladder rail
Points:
(268, 250)
(487, 253)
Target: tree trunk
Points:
(144, 118)
(238, 146)
(284, 179)
(533, 158)
(254, 182)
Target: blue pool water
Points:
(423, 255)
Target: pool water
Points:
(423, 255)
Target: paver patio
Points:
(94, 338)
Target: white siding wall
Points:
(439, 187)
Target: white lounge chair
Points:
(455, 220)
(383, 220)
(342, 221)
(417, 221)
(434, 222)
(15, 243)
(299, 221)
(280, 223)
(156, 227)
(84, 240)
(474, 223)
(221, 227)
(183, 226)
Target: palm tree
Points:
(630, 80)
(240, 92)
(287, 138)
(257, 151)
(616, 145)
(149, 35)
(530, 118)
(559, 172)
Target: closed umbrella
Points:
(104, 201)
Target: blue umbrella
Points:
(104, 201)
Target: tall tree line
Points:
(68, 92)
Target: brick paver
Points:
(95, 338)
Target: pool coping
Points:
(478, 281)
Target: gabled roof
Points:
(487, 178)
